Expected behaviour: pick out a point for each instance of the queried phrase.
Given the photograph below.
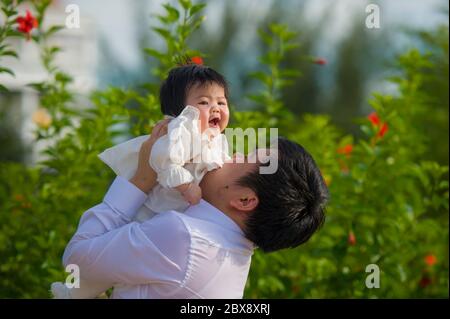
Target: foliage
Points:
(9, 10)
(389, 199)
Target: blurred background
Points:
(107, 51)
(370, 104)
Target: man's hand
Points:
(145, 176)
(192, 193)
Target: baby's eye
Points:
(203, 102)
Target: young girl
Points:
(195, 97)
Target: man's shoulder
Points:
(169, 218)
(213, 234)
(179, 224)
(179, 221)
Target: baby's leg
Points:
(86, 290)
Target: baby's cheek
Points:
(225, 118)
(204, 122)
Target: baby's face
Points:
(210, 100)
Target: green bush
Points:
(389, 199)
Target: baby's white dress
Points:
(183, 155)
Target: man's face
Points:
(210, 100)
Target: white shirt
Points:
(201, 253)
(182, 156)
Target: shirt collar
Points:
(205, 211)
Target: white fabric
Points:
(174, 158)
(201, 253)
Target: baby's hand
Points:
(192, 193)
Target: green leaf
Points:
(53, 30)
(290, 73)
(276, 28)
(163, 19)
(163, 32)
(39, 86)
(154, 53)
(62, 77)
(54, 50)
(9, 53)
(366, 129)
(196, 8)
(9, 12)
(42, 5)
(186, 4)
(290, 46)
(13, 33)
(172, 13)
(367, 147)
(6, 70)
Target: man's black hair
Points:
(174, 89)
(291, 200)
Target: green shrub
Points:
(389, 200)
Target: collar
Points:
(205, 211)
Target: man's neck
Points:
(234, 215)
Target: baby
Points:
(196, 98)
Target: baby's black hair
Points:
(174, 89)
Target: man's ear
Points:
(246, 201)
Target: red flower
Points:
(346, 150)
(197, 60)
(320, 61)
(430, 260)
(374, 119)
(425, 281)
(382, 127)
(351, 239)
(27, 23)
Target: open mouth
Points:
(214, 122)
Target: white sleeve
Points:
(110, 249)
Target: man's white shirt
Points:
(200, 253)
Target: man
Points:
(206, 251)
